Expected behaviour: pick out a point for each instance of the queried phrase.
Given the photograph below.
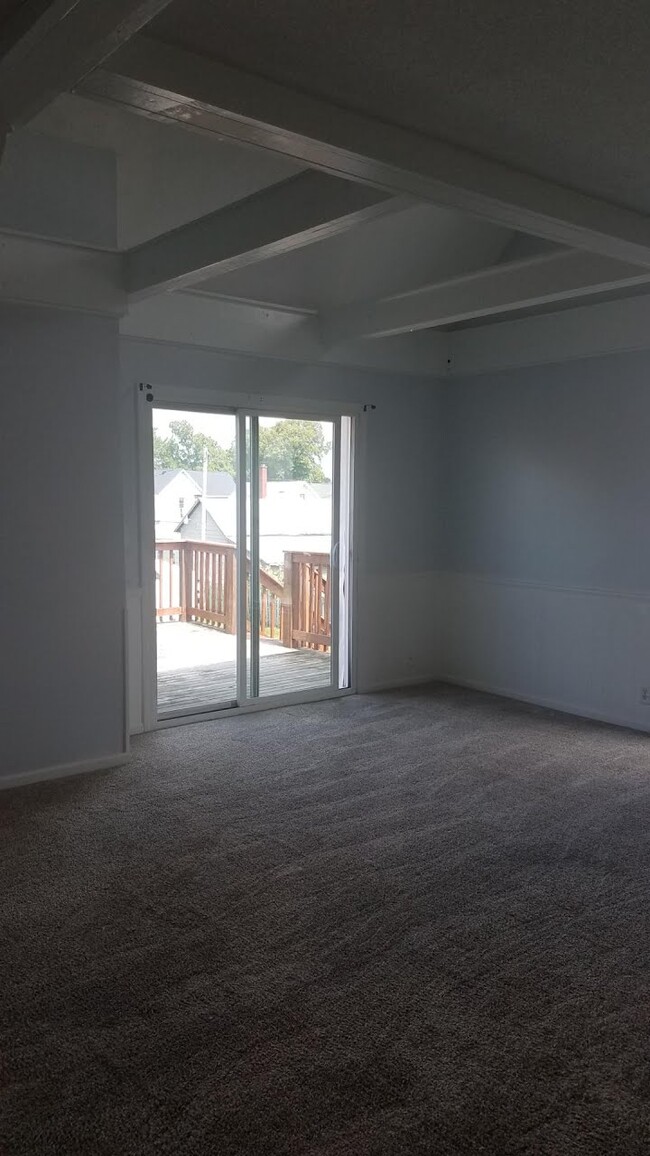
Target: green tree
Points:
(184, 447)
(293, 450)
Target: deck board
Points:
(216, 684)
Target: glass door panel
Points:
(291, 583)
(195, 560)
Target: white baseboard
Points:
(578, 710)
(63, 771)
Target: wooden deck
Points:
(202, 686)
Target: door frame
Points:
(241, 405)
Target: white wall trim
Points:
(530, 584)
(63, 771)
(54, 273)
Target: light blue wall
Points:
(546, 535)
(57, 189)
(547, 474)
(62, 573)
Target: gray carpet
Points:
(406, 923)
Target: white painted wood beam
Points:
(194, 318)
(64, 42)
(63, 276)
(170, 84)
(503, 288)
(594, 330)
(306, 208)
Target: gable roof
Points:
(162, 478)
(220, 484)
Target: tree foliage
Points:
(291, 450)
(184, 448)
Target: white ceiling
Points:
(166, 176)
(560, 88)
(391, 255)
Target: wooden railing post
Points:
(185, 576)
(287, 603)
(230, 601)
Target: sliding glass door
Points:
(293, 537)
(252, 558)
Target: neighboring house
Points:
(220, 521)
(292, 517)
(323, 489)
(175, 492)
(220, 484)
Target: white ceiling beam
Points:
(273, 334)
(59, 275)
(170, 84)
(590, 330)
(64, 41)
(556, 276)
(306, 208)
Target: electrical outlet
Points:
(644, 697)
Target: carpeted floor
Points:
(407, 923)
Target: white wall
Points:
(58, 189)
(62, 575)
(397, 639)
(546, 534)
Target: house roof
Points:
(221, 511)
(220, 484)
(323, 489)
(162, 478)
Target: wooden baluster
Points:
(315, 588)
(287, 602)
(317, 592)
(186, 580)
(303, 596)
(159, 590)
(309, 597)
(327, 624)
(170, 579)
(229, 594)
(315, 579)
(312, 588)
(208, 592)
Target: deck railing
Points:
(197, 582)
(307, 602)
